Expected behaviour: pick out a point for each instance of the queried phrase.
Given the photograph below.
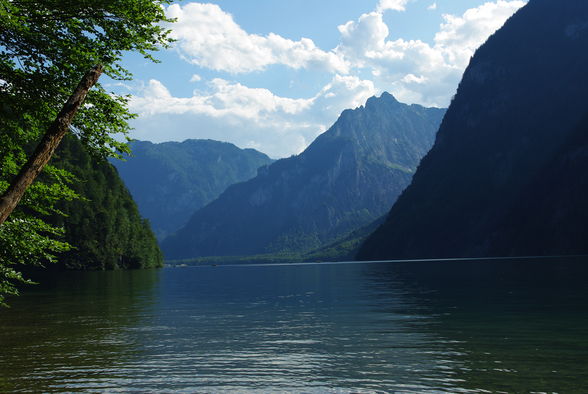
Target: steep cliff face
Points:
(345, 179)
(172, 180)
(503, 174)
(550, 217)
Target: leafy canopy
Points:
(46, 46)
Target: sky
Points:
(274, 74)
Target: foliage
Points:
(46, 46)
(344, 249)
(104, 225)
(277, 258)
(25, 240)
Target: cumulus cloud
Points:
(403, 66)
(363, 39)
(459, 37)
(413, 70)
(209, 37)
(395, 5)
(225, 98)
(249, 117)
(432, 7)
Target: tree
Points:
(50, 141)
(104, 224)
(46, 48)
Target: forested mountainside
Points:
(347, 178)
(104, 226)
(345, 248)
(507, 173)
(172, 180)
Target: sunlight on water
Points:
(445, 327)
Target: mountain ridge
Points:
(171, 180)
(518, 103)
(344, 180)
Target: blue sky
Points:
(274, 74)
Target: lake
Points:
(447, 326)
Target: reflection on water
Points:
(444, 327)
(515, 326)
(73, 329)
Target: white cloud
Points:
(249, 117)
(413, 70)
(395, 5)
(209, 37)
(361, 38)
(432, 7)
(341, 93)
(226, 98)
(459, 37)
(411, 78)
(397, 65)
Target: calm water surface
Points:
(511, 326)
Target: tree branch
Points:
(48, 144)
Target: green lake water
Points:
(464, 326)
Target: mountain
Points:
(507, 173)
(348, 177)
(104, 225)
(171, 180)
(345, 248)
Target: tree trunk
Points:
(48, 144)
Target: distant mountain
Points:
(507, 174)
(348, 177)
(172, 180)
(104, 225)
